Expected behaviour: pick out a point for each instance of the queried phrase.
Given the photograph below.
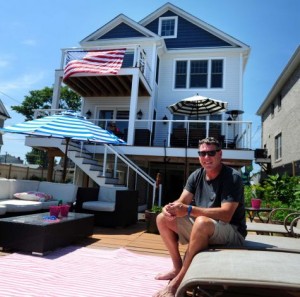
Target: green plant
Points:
(280, 188)
(257, 191)
(156, 208)
(247, 195)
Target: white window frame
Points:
(189, 73)
(175, 18)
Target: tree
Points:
(41, 99)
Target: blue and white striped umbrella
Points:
(67, 126)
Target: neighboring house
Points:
(3, 116)
(7, 158)
(280, 117)
(170, 55)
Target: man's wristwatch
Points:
(189, 210)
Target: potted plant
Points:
(257, 192)
(150, 218)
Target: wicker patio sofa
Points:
(19, 197)
(112, 206)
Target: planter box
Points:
(150, 218)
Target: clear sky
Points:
(32, 33)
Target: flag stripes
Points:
(94, 62)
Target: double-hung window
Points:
(167, 27)
(199, 74)
(181, 74)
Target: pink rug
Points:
(82, 272)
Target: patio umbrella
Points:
(67, 126)
(198, 105)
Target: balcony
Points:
(108, 85)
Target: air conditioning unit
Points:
(261, 154)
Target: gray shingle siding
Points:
(121, 31)
(188, 35)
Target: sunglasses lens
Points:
(209, 153)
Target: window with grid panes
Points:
(181, 74)
(168, 27)
(216, 74)
(198, 74)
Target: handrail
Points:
(137, 169)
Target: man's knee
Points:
(205, 225)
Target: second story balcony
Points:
(88, 84)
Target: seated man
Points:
(210, 210)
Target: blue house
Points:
(167, 56)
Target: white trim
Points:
(208, 88)
(161, 19)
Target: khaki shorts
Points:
(225, 234)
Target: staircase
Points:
(105, 172)
(88, 164)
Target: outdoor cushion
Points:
(108, 194)
(99, 206)
(33, 196)
(18, 186)
(5, 189)
(59, 191)
(47, 204)
(2, 209)
(16, 205)
(260, 269)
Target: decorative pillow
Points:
(33, 196)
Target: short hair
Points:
(210, 141)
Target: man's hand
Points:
(175, 209)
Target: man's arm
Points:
(223, 213)
(179, 207)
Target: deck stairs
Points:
(104, 172)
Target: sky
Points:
(33, 32)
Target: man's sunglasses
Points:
(209, 153)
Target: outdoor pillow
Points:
(33, 196)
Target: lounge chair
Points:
(290, 226)
(265, 264)
(295, 227)
(240, 271)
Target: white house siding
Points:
(167, 95)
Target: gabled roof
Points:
(203, 25)
(120, 19)
(3, 111)
(292, 65)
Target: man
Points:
(210, 210)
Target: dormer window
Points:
(168, 27)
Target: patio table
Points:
(256, 212)
(39, 234)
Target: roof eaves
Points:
(121, 18)
(196, 21)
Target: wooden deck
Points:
(133, 238)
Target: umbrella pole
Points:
(65, 161)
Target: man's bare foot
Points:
(166, 292)
(167, 276)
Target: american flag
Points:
(97, 62)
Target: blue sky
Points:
(33, 32)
